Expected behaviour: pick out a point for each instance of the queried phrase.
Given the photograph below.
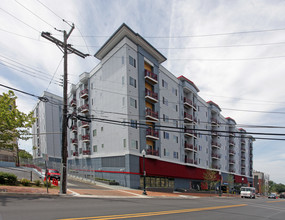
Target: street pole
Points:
(66, 48)
(144, 173)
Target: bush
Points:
(8, 178)
(38, 182)
(113, 182)
(25, 182)
(47, 182)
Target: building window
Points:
(94, 132)
(91, 85)
(134, 144)
(164, 152)
(200, 148)
(95, 148)
(123, 101)
(165, 135)
(133, 82)
(164, 101)
(123, 59)
(175, 138)
(102, 128)
(134, 124)
(175, 155)
(102, 145)
(123, 80)
(164, 84)
(125, 143)
(133, 102)
(132, 61)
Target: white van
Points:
(248, 192)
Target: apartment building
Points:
(47, 128)
(129, 103)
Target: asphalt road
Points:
(32, 208)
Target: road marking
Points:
(146, 214)
(275, 201)
(75, 193)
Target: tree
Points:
(24, 154)
(210, 177)
(14, 124)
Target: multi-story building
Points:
(129, 103)
(47, 128)
(261, 182)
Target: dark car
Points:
(53, 174)
(282, 195)
(272, 196)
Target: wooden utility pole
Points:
(66, 48)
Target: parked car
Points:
(272, 196)
(53, 174)
(282, 195)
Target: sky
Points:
(232, 50)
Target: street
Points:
(31, 207)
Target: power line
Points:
(20, 20)
(54, 73)
(50, 10)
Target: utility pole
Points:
(65, 48)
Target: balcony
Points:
(84, 94)
(74, 141)
(75, 154)
(85, 124)
(232, 152)
(152, 152)
(190, 147)
(84, 108)
(232, 162)
(232, 134)
(214, 121)
(152, 134)
(232, 170)
(243, 149)
(73, 103)
(150, 77)
(85, 138)
(216, 156)
(217, 167)
(151, 96)
(242, 157)
(188, 117)
(86, 152)
(191, 161)
(189, 104)
(74, 128)
(151, 115)
(190, 133)
(242, 141)
(214, 133)
(232, 143)
(216, 145)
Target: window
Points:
(133, 82)
(200, 148)
(123, 59)
(133, 102)
(199, 160)
(123, 80)
(91, 85)
(164, 152)
(165, 135)
(123, 101)
(94, 132)
(92, 101)
(95, 148)
(175, 138)
(164, 84)
(132, 61)
(102, 145)
(125, 143)
(175, 155)
(102, 128)
(165, 118)
(134, 144)
(164, 101)
(134, 124)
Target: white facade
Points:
(47, 128)
(134, 103)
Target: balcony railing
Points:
(85, 138)
(214, 121)
(73, 102)
(190, 132)
(151, 96)
(217, 167)
(86, 152)
(75, 154)
(74, 141)
(152, 77)
(84, 108)
(215, 144)
(232, 162)
(84, 124)
(191, 161)
(243, 148)
(232, 170)
(242, 157)
(84, 93)
(232, 152)
(151, 114)
(232, 143)
(190, 147)
(152, 152)
(188, 116)
(152, 134)
(216, 156)
(74, 128)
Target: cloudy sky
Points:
(232, 50)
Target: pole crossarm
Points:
(70, 49)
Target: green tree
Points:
(14, 124)
(210, 177)
(24, 154)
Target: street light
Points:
(144, 191)
(242, 179)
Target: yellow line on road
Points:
(145, 214)
(276, 201)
